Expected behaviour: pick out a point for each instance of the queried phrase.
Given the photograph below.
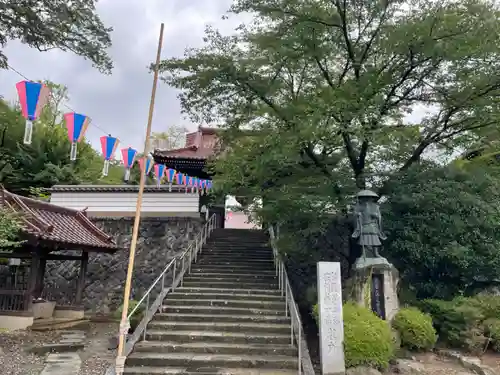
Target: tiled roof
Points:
(115, 188)
(57, 225)
(191, 152)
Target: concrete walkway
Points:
(65, 363)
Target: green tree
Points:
(174, 137)
(47, 24)
(46, 161)
(337, 80)
(442, 227)
(9, 230)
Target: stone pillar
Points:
(331, 322)
(376, 287)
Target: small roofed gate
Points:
(48, 233)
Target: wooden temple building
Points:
(48, 233)
(191, 159)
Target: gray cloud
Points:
(119, 103)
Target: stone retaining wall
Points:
(160, 239)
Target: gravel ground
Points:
(14, 360)
(435, 365)
(493, 360)
(96, 357)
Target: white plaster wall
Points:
(239, 220)
(125, 202)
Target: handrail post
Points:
(173, 275)
(286, 299)
(147, 308)
(299, 345)
(190, 258)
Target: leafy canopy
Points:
(46, 162)
(443, 230)
(9, 229)
(47, 24)
(338, 79)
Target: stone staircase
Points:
(228, 317)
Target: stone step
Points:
(225, 296)
(235, 259)
(226, 269)
(242, 266)
(250, 250)
(251, 304)
(247, 244)
(227, 291)
(220, 327)
(270, 275)
(211, 360)
(218, 310)
(235, 278)
(237, 254)
(222, 318)
(143, 370)
(222, 284)
(211, 337)
(257, 245)
(214, 348)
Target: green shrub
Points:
(492, 331)
(131, 305)
(415, 329)
(136, 318)
(459, 323)
(315, 313)
(368, 340)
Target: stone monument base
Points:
(375, 286)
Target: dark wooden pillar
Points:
(42, 264)
(33, 277)
(81, 278)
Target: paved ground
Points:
(93, 360)
(13, 358)
(96, 357)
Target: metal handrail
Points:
(178, 271)
(305, 365)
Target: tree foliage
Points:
(344, 95)
(46, 162)
(47, 24)
(443, 230)
(173, 137)
(9, 229)
(337, 79)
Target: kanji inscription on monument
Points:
(377, 295)
(331, 325)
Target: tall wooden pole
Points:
(124, 325)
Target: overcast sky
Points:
(119, 103)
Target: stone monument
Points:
(375, 280)
(331, 322)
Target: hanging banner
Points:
(128, 158)
(171, 173)
(196, 181)
(77, 125)
(201, 186)
(108, 146)
(148, 164)
(159, 173)
(33, 96)
(181, 178)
